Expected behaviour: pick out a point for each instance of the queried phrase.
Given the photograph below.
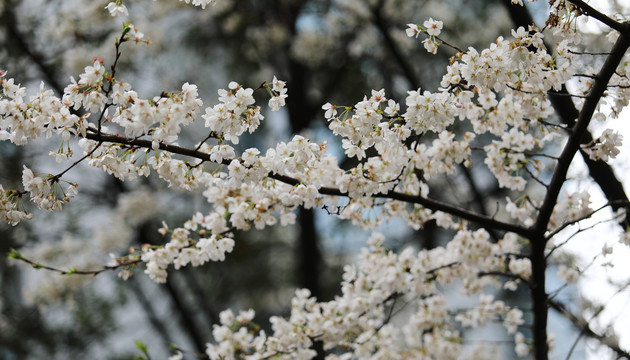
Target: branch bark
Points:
(537, 256)
(600, 171)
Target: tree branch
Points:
(578, 131)
(600, 171)
(431, 204)
(538, 240)
(14, 254)
(588, 10)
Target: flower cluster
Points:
(605, 147)
(45, 114)
(570, 207)
(170, 111)
(376, 123)
(234, 114)
(431, 28)
(47, 193)
(278, 94)
(357, 322)
(9, 212)
(87, 92)
(181, 250)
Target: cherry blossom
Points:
(117, 9)
(606, 146)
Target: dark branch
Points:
(600, 171)
(588, 10)
(578, 131)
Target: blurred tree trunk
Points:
(309, 254)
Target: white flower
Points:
(222, 152)
(568, 274)
(513, 320)
(278, 85)
(276, 102)
(521, 267)
(433, 27)
(279, 94)
(134, 34)
(430, 45)
(392, 107)
(331, 110)
(202, 3)
(245, 316)
(413, 30)
(521, 348)
(226, 317)
(178, 356)
(376, 240)
(605, 147)
(117, 9)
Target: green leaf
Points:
(126, 29)
(142, 347)
(14, 254)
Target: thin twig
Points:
(507, 275)
(534, 177)
(588, 53)
(17, 256)
(58, 176)
(584, 217)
